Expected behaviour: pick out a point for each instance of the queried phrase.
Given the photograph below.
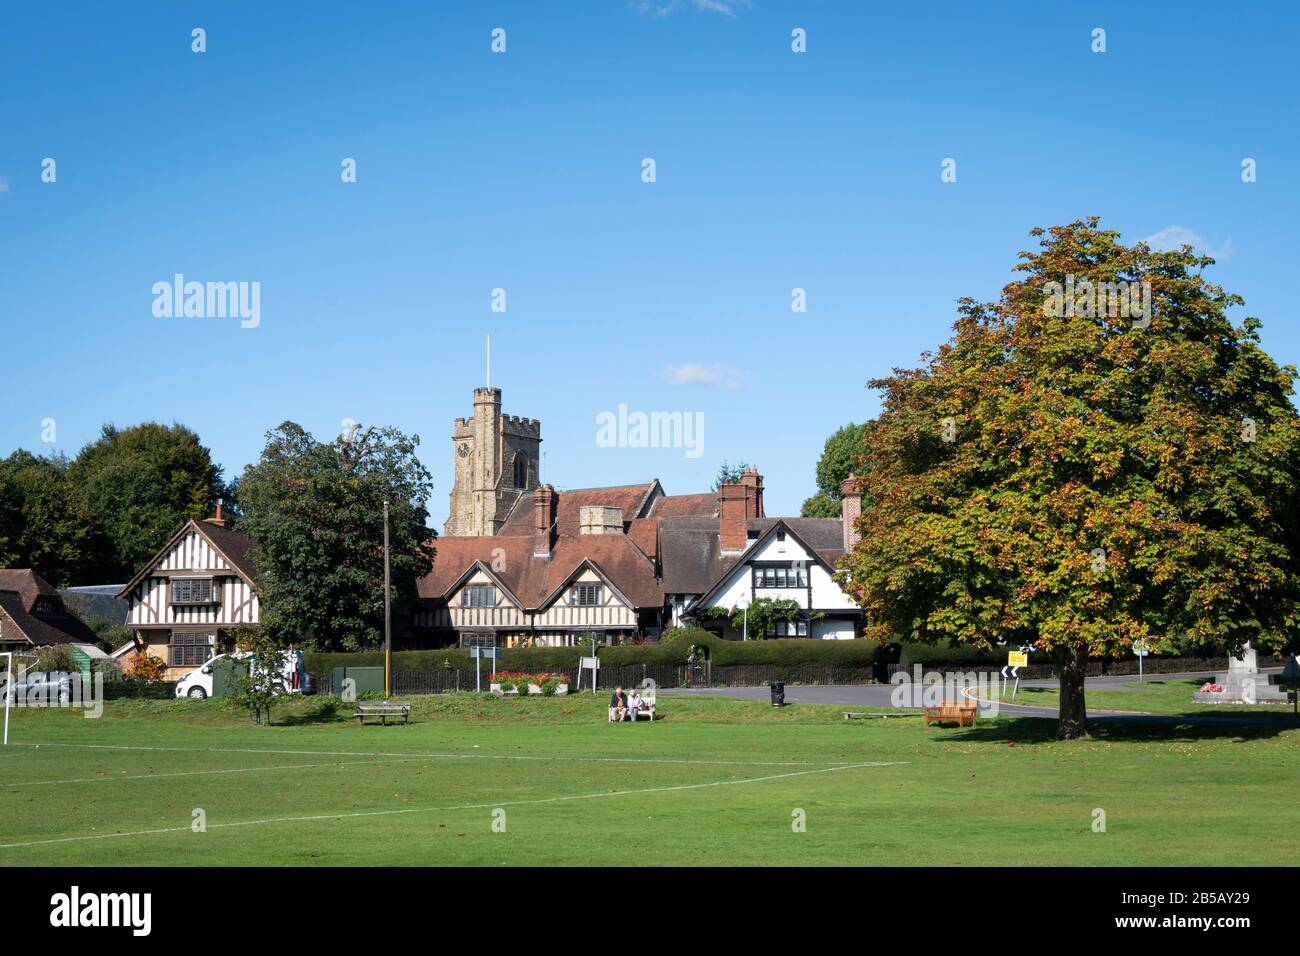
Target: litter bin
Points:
(778, 692)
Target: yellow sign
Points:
(1018, 659)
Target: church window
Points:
(521, 471)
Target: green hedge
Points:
(942, 655)
(672, 651)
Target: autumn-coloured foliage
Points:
(144, 667)
(1078, 478)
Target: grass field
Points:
(1154, 695)
(716, 782)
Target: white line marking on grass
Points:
(465, 806)
(438, 756)
(197, 773)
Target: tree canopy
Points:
(316, 512)
(730, 474)
(841, 455)
(139, 485)
(1074, 475)
(43, 523)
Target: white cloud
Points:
(693, 373)
(663, 8)
(4, 184)
(1172, 238)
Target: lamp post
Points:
(388, 615)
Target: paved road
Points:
(878, 695)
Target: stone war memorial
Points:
(1242, 684)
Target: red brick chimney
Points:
(851, 510)
(543, 521)
(753, 483)
(733, 517)
(217, 519)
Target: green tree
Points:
(730, 474)
(141, 484)
(758, 617)
(316, 511)
(43, 523)
(841, 455)
(259, 685)
(1067, 476)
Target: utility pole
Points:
(388, 615)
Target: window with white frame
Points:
(790, 575)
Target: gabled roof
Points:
(691, 557)
(584, 564)
(41, 629)
(632, 499)
(235, 546)
(27, 583)
(533, 580)
(480, 566)
(774, 525)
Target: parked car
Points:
(42, 687)
(292, 678)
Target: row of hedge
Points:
(674, 650)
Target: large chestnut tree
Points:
(1076, 469)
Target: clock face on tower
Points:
(462, 449)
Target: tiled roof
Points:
(692, 561)
(235, 545)
(567, 504)
(532, 580)
(43, 629)
(676, 506)
(27, 583)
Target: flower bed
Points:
(512, 682)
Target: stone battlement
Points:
(523, 427)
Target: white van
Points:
(292, 679)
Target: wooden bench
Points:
(953, 710)
(647, 709)
(383, 710)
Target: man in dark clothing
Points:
(618, 704)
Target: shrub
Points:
(141, 666)
(56, 657)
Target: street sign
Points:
(1141, 650)
(478, 652)
(1018, 659)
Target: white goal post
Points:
(9, 683)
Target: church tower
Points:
(497, 460)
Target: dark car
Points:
(43, 687)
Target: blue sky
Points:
(522, 171)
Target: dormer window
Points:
(195, 591)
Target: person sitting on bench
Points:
(634, 705)
(618, 704)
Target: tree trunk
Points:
(1071, 664)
